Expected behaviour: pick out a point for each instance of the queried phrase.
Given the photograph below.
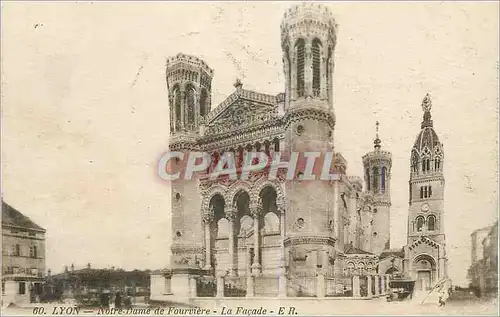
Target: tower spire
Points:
(377, 141)
(426, 107)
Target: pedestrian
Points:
(118, 300)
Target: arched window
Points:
(430, 191)
(382, 177)
(437, 163)
(414, 162)
(177, 103)
(300, 49)
(421, 192)
(424, 165)
(425, 192)
(190, 101)
(375, 179)
(431, 223)
(420, 223)
(368, 184)
(203, 103)
(316, 54)
(428, 164)
(276, 145)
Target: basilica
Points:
(268, 238)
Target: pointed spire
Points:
(426, 107)
(377, 141)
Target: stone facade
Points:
(483, 272)
(23, 257)
(273, 237)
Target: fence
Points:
(206, 286)
(235, 286)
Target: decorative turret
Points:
(189, 81)
(377, 165)
(308, 41)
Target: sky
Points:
(85, 110)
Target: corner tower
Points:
(308, 41)
(189, 86)
(189, 83)
(377, 165)
(425, 254)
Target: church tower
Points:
(377, 166)
(308, 38)
(189, 86)
(425, 254)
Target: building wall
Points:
(12, 237)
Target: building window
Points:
(300, 49)
(375, 179)
(420, 223)
(431, 223)
(414, 161)
(177, 105)
(425, 192)
(203, 103)
(437, 164)
(190, 101)
(316, 53)
(367, 176)
(22, 288)
(382, 176)
(33, 251)
(16, 250)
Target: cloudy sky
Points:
(85, 113)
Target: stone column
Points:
(356, 292)
(336, 216)
(369, 286)
(207, 219)
(377, 288)
(220, 284)
(308, 72)
(230, 213)
(183, 108)
(383, 290)
(442, 269)
(387, 283)
(192, 286)
(320, 284)
(250, 285)
(257, 212)
(282, 277)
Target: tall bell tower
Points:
(377, 165)
(308, 38)
(425, 252)
(189, 85)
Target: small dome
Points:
(427, 137)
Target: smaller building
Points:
(483, 272)
(23, 257)
(87, 284)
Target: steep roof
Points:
(392, 252)
(350, 249)
(12, 217)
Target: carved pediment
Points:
(241, 113)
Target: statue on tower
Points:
(427, 103)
